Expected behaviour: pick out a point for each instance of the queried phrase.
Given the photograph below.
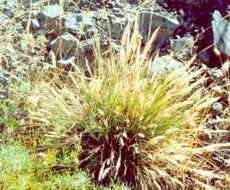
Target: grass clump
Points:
(134, 126)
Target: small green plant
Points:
(12, 107)
(79, 181)
(15, 167)
(21, 171)
(7, 115)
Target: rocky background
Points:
(65, 32)
(71, 27)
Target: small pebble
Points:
(218, 107)
(217, 73)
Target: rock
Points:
(50, 16)
(164, 64)
(4, 20)
(117, 26)
(221, 32)
(26, 3)
(52, 11)
(80, 24)
(3, 80)
(87, 4)
(8, 7)
(226, 67)
(87, 51)
(216, 73)
(65, 46)
(72, 21)
(204, 56)
(149, 22)
(35, 23)
(196, 15)
(87, 44)
(111, 25)
(67, 64)
(199, 12)
(68, 46)
(52, 2)
(182, 47)
(69, 61)
(98, 4)
(133, 1)
(218, 107)
(4, 86)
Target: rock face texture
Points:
(49, 17)
(72, 27)
(221, 32)
(198, 11)
(164, 64)
(151, 21)
(182, 47)
(196, 17)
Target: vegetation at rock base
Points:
(123, 117)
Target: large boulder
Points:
(65, 46)
(182, 47)
(164, 64)
(8, 7)
(221, 32)
(150, 21)
(80, 24)
(50, 17)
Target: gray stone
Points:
(26, 3)
(117, 28)
(72, 21)
(49, 17)
(164, 64)
(89, 43)
(217, 73)
(51, 2)
(35, 23)
(218, 107)
(8, 7)
(221, 31)
(88, 25)
(87, 50)
(4, 20)
(204, 56)
(80, 24)
(52, 11)
(226, 67)
(110, 24)
(65, 46)
(68, 61)
(182, 47)
(150, 21)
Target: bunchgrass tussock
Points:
(134, 126)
